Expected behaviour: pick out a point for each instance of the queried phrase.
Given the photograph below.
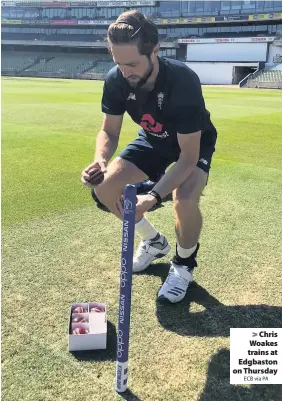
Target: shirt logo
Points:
(160, 97)
(148, 123)
(162, 135)
(204, 161)
(152, 127)
(131, 96)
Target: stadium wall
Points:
(217, 73)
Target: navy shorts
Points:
(153, 163)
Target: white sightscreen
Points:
(213, 73)
(227, 52)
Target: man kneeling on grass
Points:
(164, 97)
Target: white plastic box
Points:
(96, 325)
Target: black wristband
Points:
(157, 196)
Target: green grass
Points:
(59, 249)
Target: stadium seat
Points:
(102, 67)
(271, 78)
(17, 61)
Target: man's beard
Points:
(140, 84)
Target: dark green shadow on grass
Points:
(218, 385)
(216, 319)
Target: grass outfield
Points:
(59, 249)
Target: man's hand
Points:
(143, 204)
(93, 175)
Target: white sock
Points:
(145, 229)
(185, 253)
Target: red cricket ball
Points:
(79, 319)
(79, 309)
(97, 309)
(96, 176)
(80, 330)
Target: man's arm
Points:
(180, 171)
(108, 138)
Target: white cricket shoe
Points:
(178, 280)
(148, 251)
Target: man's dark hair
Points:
(132, 27)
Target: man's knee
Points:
(189, 193)
(110, 189)
(183, 207)
(119, 173)
(107, 193)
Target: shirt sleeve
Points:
(188, 107)
(113, 99)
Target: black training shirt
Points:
(175, 105)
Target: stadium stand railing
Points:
(271, 79)
(22, 36)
